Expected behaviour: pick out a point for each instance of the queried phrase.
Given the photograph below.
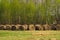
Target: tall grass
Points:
(29, 11)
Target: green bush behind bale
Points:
(31, 27)
(38, 27)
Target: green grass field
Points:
(29, 35)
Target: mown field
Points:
(29, 35)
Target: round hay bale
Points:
(13, 27)
(31, 27)
(4, 27)
(25, 26)
(1, 27)
(8, 27)
(46, 27)
(17, 26)
(58, 27)
(53, 27)
(38, 27)
(21, 27)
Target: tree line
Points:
(29, 12)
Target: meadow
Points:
(29, 35)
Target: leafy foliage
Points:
(28, 12)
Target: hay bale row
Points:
(30, 27)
